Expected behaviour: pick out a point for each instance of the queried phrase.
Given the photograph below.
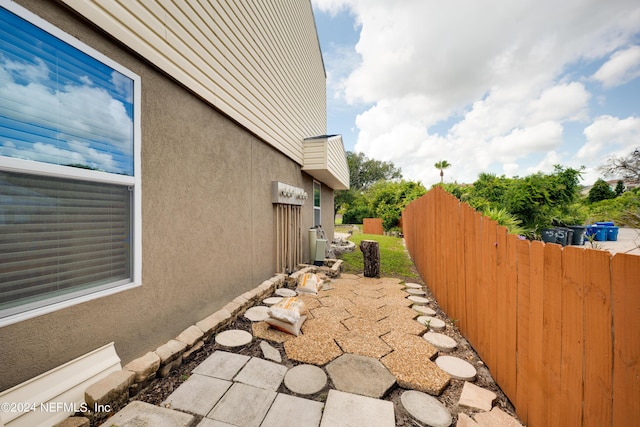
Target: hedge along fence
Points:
(372, 226)
(557, 327)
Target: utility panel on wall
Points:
(287, 194)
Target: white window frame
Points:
(318, 208)
(8, 164)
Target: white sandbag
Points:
(293, 329)
(308, 283)
(288, 310)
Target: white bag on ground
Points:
(288, 310)
(293, 329)
(308, 283)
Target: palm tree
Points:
(442, 164)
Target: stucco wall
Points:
(207, 232)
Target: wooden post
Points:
(371, 253)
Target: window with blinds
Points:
(69, 168)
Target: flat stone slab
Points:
(270, 352)
(496, 418)
(305, 379)
(360, 375)
(351, 410)
(413, 285)
(257, 313)
(272, 300)
(433, 322)
(476, 397)
(424, 310)
(243, 405)
(262, 374)
(457, 368)
(284, 292)
(233, 338)
(415, 291)
(292, 411)
(426, 409)
(222, 364)
(198, 394)
(206, 422)
(139, 413)
(418, 301)
(440, 341)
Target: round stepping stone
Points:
(415, 291)
(233, 338)
(440, 341)
(257, 313)
(423, 309)
(284, 292)
(426, 409)
(419, 300)
(305, 379)
(457, 368)
(271, 300)
(433, 322)
(413, 285)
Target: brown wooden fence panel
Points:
(524, 271)
(372, 226)
(626, 341)
(551, 333)
(598, 342)
(556, 326)
(536, 354)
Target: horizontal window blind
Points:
(60, 237)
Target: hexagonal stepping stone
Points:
(233, 338)
(415, 291)
(440, 341)
(284, 292)
(457, 368)
(360, 375)
(423, 309)
(305, 379)
(272, 300)
(413, 285)
(257, 313)
(312, 349)
(418, 300)
(426, 409)
(434, 323)
(416, 373)
(363, 344)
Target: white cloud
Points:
(609, 135)
(622, 67)
(497, 73)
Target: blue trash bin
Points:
(605, 223)
(612, 233)
(600, 233)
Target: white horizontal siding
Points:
(259, 62)
(325, 160)
(337, 159)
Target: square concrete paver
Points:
(243, 405)
(352, 410)
(261, 373)
(222, 364)
(206, 422)
(291, 411)
(145, 414)
(198, 394)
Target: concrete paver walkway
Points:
(358, 330)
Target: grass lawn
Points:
(394, 259)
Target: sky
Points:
(505, 87)
(80, 111)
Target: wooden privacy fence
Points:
(557, 327)
(372, 226)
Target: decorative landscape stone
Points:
(413, 285)
(113, 387)
(272, 300)
(426, 409)
(214, 322)
(285, 292)
(257, 314)
(360, 375)
(423, 309)
(418, 300)
(476, 397)
(233, 338)
(305, 379)
(270, 352)
(415, 292)
(440, 341)
(144, 367)
(457, 368)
